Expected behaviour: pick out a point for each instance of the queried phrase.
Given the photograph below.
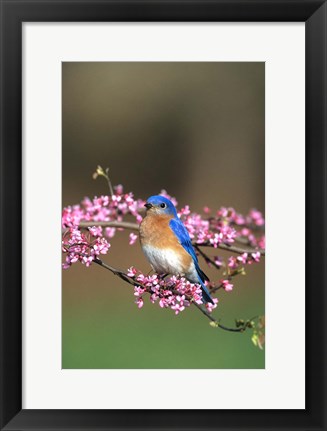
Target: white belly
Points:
(164, 261)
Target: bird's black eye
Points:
(163, 205)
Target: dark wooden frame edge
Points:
(13, 14)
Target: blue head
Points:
(160, 205)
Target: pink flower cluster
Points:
(225, 227)
(83, 247)
(103, 208)
(174, 292)
(244, 259)
(221, 229)
(205, 231)
(254, 218)
(253, 221)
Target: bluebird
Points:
(167, 245)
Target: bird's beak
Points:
(148, 206)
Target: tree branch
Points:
(242, 328)
(121, 274)
(234, 248)
(116, 224)
(135, 226)
(207, 259)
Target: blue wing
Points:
(183, 236)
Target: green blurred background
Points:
(196, 130)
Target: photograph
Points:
(163, 215)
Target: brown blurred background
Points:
(196, 130)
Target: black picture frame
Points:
(13, 14)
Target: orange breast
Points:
(156, 232)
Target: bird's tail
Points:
(205, 293)
(202, 277)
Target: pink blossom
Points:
(110, 232)
(154, 297)
(227, 286)
(216, 239)
(179, 304)
(262, 242)
(101, 245)
(139, 218)
(185, 211)
(139, 302)
(218, 261)
(131, 272)
(210, 307)
(229, 234)
(245, 232)
(256, 256)
(96, 231)
(132, 238)
(119, 189)
(163, 303)
(239, 219)
(223, 212)
(256, 217)
(87, 260)
(66, 264)
(242, 258)
(138, 290)
(197, 226)
(232, 262)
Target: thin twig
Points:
(101, 173)
(217, 323)
(121, 274)
(109, 182)
(206, 257)
(229, 277)
(214, 289)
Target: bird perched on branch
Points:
(167, 245)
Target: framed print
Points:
(149, 152)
